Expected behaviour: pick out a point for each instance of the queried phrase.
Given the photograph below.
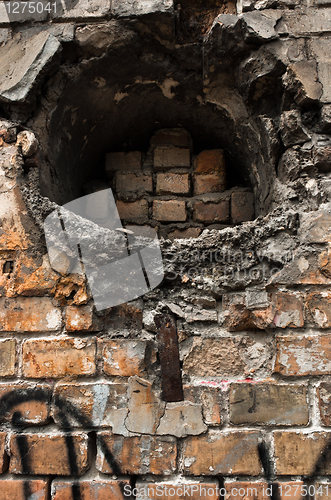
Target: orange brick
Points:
(132, 183)
(136, 211)
(211, 212)
(177, 491)
(94, 489)
(300, 356)
(172, 183)
(25, 403)
(169, 211)
(210, 162)
(324, 401)
(289, 311)
(171, 157)
(80, 318)
(78, 404)
(58, 357)
(209, 183)
(270, 404)
(29, 314)
(242, 206)
(3, 455)
(16, 489)
(322, 489)
(246, 490)
(124, 358)
(302, 454)
(136, 455)
(229, 453)
(319, 305)
(7, 357)
(59, 454)
(130, 161)
(176, 137)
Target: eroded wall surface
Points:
(217, 382)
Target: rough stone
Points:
(28, 142)
(268, 404)
(230, 453)
(31, 58)
(291, 129)
(127, 9)
(302, 78)
(95, 39)
(182, 419)
(261, 25)
(136, 455)
(145, 409)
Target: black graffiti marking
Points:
(65, 410)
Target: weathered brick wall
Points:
(84, 399)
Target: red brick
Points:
(319, 306)
(49, 454)
(132, 183)
(209, 183)
(99, 405)
(301, 454)
(268, 404)
(300, 356)
(15, 489)
(172, 183)
(136, 211)
(3, 455)
(29, 314)
(80, 318)
(171, 157)
(96, 489)
(169, 211)
(210, 162)
(29, 402)
(58, 357)
(130, 161)
(177, 491)
(246, 490)
(242, 206)
(238, 317)
(228, 453)
(324, 401)
(7, 357)
(211, 212)
(124, 358)
(323, 491)
(176, 137)
(136, 455)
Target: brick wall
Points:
(217, 383)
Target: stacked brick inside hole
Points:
(174, 190)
